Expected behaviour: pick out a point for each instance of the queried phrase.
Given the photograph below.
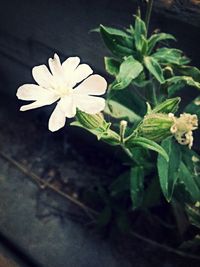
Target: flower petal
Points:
(70, 64)
(40, 103)
(57, 119)
(93, 85)
(68, 106)
(80, 73)
(55, 65)
(42, 76)
(34, 92)
(90, 104)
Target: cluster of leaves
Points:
(146, 71)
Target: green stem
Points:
(148, 13)
(155, 102)
(128, 152)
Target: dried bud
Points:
(182, 128)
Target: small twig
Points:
(165, 247)
(89, 211)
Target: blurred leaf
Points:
(137, 186)
(156, 38)
(112, 65)
(152, 194)
(194, 215)
(129, 98)
(121, 184)
(104, 217)
(148, 144)
(169, 55)
(117, 41)
(169, 171)
(177, 82)
(140, 33)
(187, 178)
(129, 70)
(193, 107)
(191, 244)
(190, 71)
(154, 68)
(119, 111)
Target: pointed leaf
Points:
(112, 65)
(169, 171)
(169, 55)
(154, 68)
(137, 186)
(140, 33)
(129, 70)
(148, 144)
(117, 41)
(156, 38)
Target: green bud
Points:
(92, 121)
(168, 106)
(98, 126)
(155, 127)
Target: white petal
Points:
(42, 76)
(80, 73)
(57, 119)
(70, 64)
(68, 106)
(55, 65)
(33, 92)
(90, 104)
(93, 85)
(39, 103)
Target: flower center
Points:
(64, 91)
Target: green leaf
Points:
(119, 111)
(137, 186)
(155, 38)
(112, 65)
(169, 171)
(187, 178)
(148, 144)
(129, 99)
(117, 41)
(169, 55)
(140, 33)
(129, 70)
(194, 215)
(154, 68)
(177, 82)
(194, 107)
(121, 184)
(190, 71)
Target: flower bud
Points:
(155, 127)
(97, 125)
(169, 105)
(91, 121)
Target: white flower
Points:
(60, 84)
